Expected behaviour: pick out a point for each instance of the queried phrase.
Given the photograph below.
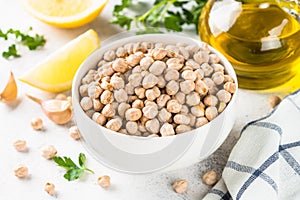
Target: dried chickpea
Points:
(83, 90)
(122, 109)
(200, 122)
(129, 88)
(193, 99)
(210, 177)
(207, 69)
(219, 68)
(162, 100)
(167, 130)
(74, 132)
(133, 114)
(120, 95)
(106, 97)
(161, 82)
(157, 67)
(37, 124)
(106, 69)
(146, 62)
(201, 57)
(104, 181)
(150, 112)
(171, 74)
(114, 124)
(20, 145)
(129, 48)
(152, 125)
(99, 118)
(94, 91)
(120, 65)
(218, 78)
(135, 79)
(274, 101)
(131, 127)
(189, 75)
(182, 128)
(221, 107)
(21, 171)
(193, 64)
(90, 113)
(224, 96)
(152, 94)
(210, 100)
(214, 58)
(49, 152)
(109, 55)
(172, 87)
(120, 52)
(138, 104)
(181, 119)
(140, 92)
(174, 63)
(158, 53)
(149, 81)
(61, 96)
(180, 186)
(192, 119)
(164, 115)
(230, 87)
(117, 82)
(184, 109)
(211, 113)
(105, 84)
(173, 106)
(97, 105)
(185, 53)
(137, 70)
(228, 78)
(187, 86)
(108, 111)
(50, 188)
(197, 111)
(201, 88)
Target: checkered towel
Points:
(264, 164)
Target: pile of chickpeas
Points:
(156, 89)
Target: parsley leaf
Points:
(169, 14)
(21, 39)
(73, 171)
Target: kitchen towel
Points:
(265, 162)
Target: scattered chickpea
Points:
(104, 181)
(49, 152)
(21, 171)
(37, 124)
(20, 145)
(210, 177)
(180, 186)
(50, 188)
(61, 96)
(74, 132)
(274, 101)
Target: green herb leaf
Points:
(12, 52)
(73, 171)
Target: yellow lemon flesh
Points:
(65, 13)
(56, 72)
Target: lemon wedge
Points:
(64, 13)
(56, 72)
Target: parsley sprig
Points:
(18, 38)
(73, 171)
(170, 14)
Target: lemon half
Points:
(56, 72)
(64, 13)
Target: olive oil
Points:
(261, 40)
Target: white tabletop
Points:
(15, 124)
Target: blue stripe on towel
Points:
(217, 192)
(288, 157)
(251, 170)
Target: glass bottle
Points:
(261, 38)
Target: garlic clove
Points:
(59, 111)
(10, 91)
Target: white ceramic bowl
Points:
(133, 154)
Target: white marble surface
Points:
(15, 124)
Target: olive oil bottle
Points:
(261, 39)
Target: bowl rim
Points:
(225, 62)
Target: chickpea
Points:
(37, 124)
(152, 126)
(83, 90)
(180, 186)
(189, 75)
(207, 69)
(230, 87)
(129, 88)
(61, 96)
(137, 70)
(135, 79)
(152, 94)
(109, 55)
(201, 121)
(167, 130)
(193, 64)
(274, 101)
(138, 104)
(133, 114)
(106, 97)
(97, 105)
(120, 95)
(213, 58)
(221, 107)
(99, 118)
(211, 113)
(131, 127)
(120, 65)
(174, 63)
(20, 145)
(218, 78)
(140, 92)
(187, 86)
(228, 78)
(162, 100)
(161, 82)
(192, 119)
(90, 113)
(146, 62)
(105, 84)
(164, 115)
(121, 52)
(172, 87)
(150, 112)
(49, 152)
(158, 53)
(180, 97)
(129, 48)
(171, 74)
(224, 96)
(199, 74)
(181, 119)
(149, 81)
(197, 111)
(185, 53)
(117, 82)
(50, 188)
(193, 99)
(182, 128)
(157, 67)
(114, 124)
(218, 68)
(210, 177)
(210, 100)
(106, 70)
(21, 171)
(201, 57)
(122, 109)
(173, 106)
(104, 181)
(201, 88)
(74, 132)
